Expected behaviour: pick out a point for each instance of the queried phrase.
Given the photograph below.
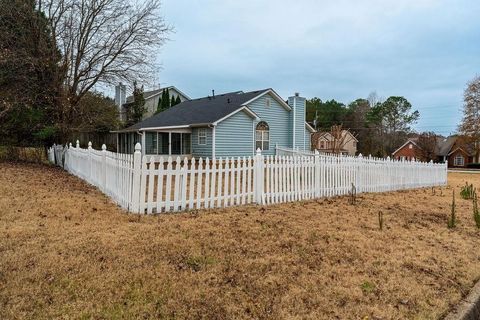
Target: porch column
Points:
(143, 142)
(169, 143)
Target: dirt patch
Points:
(66, 251)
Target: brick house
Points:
(451, 149)
(407, 151)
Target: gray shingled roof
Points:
(198, 111)
(444, 145)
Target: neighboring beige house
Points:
(325, 142)
(151, 99)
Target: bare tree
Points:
(427, 146)
(470, 125)
(104, 41)
(340, 139)
(373, 99)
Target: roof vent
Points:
(213, 94)
(297, 94)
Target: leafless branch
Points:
(106, 41)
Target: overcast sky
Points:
(425, 50)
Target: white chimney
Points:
(120, 95)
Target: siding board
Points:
(234, 136)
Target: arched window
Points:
(262, 136)
(459, 161)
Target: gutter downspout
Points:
(213, 140)
(294, 119)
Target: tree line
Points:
(55, 54)
(379, 125)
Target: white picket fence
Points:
(283, 151)
(155, 184)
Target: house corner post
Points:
(137, 172)
(258, 177)
(76, 165)
(66, 163)
(357, 171)
(104, 168)
(445, 181)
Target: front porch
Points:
(175, 142)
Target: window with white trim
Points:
(459, 161)
(262, 136)
(202, 136)
(410, 146)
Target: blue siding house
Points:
(225, 125)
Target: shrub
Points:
(473, 165)
(25, 154)
(367, 287)
(467, 192)
(476, 212)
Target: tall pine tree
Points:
(159, 104)
(165, 100)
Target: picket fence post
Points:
(77, 164)
(89, 149)
(318, 174)
(137, 172)
(359, 174)
(69, 153)
(258, 180)
(104, 167)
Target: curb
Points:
(468, 308)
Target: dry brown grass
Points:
(67, 252)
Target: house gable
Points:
(273, 95)
(277, 116)
(408, 151)
(458, 152)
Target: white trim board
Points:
(275, 96)
(310, 128)
(245, 108)
(170, 87)
(403, 145)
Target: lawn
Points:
(66, 251)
